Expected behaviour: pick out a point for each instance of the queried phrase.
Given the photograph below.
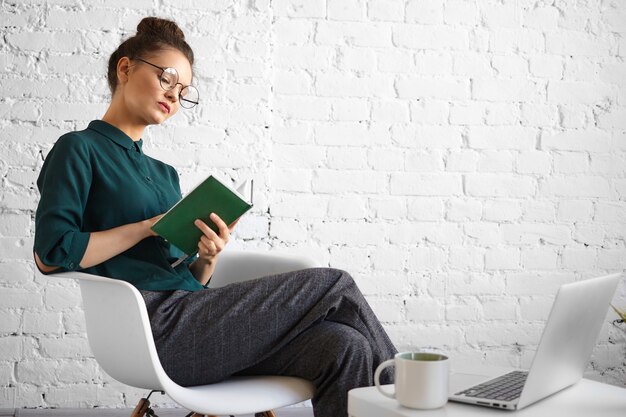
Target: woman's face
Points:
(143, 95)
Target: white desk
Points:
(586, 398)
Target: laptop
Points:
(568, 339)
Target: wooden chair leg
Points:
(269, 413)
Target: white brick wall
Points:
(461, 158)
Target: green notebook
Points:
(210, 196)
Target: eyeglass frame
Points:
(180, 97)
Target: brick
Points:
(387, 259)
(65, 348)
(16, 273)
(395, 61)
(288, 230)
(533, 162)
(524, 41)
(571, 162)
(387, 208)
(575, 186)
(490, 185)
(499, 308)
(539, 258)
(615, 119)
(305, 57)
(385, 159)
(466, 258)
(542, 284)
(42, 322)
(484, 234)
(463, 210)
(425, 309)
(502, 258)
(345, 10)
(535, 233)
(425, 184)
(535, 308)
(376, 35)
(425, 209)
(426, 259)
(423, 161)
(431, 37)
(341, 85)
(462, 161)
(19, 298)
(290, 31)
(355, 59)
(576, 43)
(390, 111)
(300, 205)
(546, 66)
(347, 207)
(347, 157)
(612, 259)
(334, 181)
(575, 210)
(579, 259)
(541, 211)
(61, 298)
(346, 134)
(460, 13)
(502, 210)
(429, 12)
(299, 156)
(579, 92)
(518, 138)
(385, 10)
(11, 348)
(542, 18)
(10, 322)
(472, 113)
(510, 66)
(495, 161)
(463, 283)
(300, 8)
(417, 88)
(432, 112)
(589, 234)
(350, 109)
(302, 108)
(353, 233)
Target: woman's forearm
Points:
(202, 270)
(106, 244)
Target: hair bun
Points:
(159, 28)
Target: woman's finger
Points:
(223, 227)
(205, 229)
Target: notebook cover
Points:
(211, 196)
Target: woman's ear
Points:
(123, 67)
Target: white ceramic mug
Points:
(421, 379)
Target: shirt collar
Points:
(115, 134)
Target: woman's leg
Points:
(206, 336)
(335, 357)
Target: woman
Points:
(100, 194)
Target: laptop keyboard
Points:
(504, 388)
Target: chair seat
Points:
(243, 395)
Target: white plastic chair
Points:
(120, 337)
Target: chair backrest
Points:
(118, 329)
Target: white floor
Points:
(121, 412)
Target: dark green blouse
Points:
(97, 179)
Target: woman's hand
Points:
(211, 243)
(209, 247)
(150, 222)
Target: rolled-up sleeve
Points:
(64, 184)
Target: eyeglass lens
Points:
(188, 96)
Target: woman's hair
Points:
(153, 35)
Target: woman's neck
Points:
(123, 122)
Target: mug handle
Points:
(379, 369)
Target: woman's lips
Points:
(164, 107)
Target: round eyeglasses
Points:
(188, 95)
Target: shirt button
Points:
(149, 179)
(71, 265)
